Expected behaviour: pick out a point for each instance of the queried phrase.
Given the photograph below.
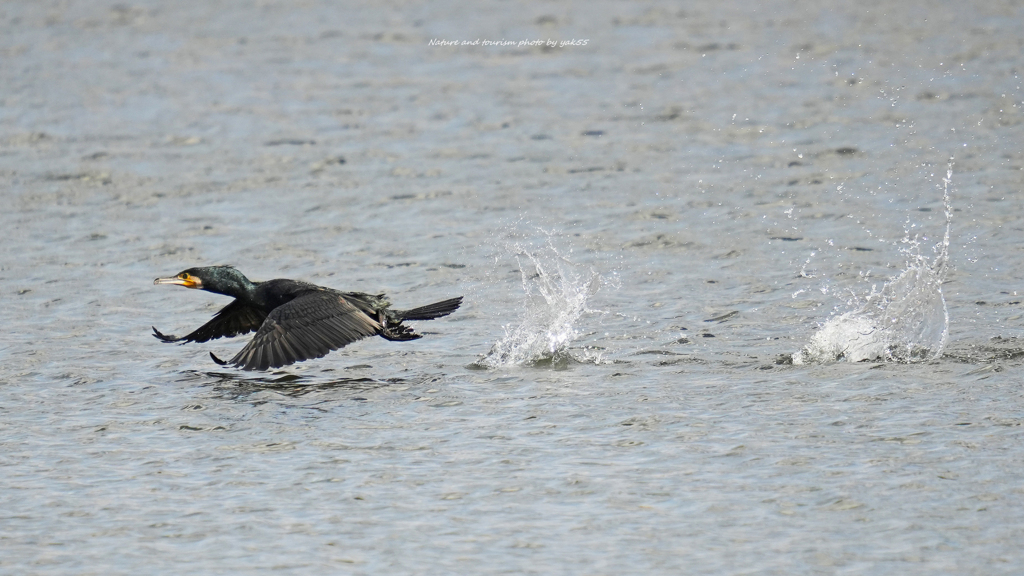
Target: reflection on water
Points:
(235, 386)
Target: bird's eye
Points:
(183, 276)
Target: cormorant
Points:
(294, 321)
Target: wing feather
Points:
(234, 319)
(310, 326)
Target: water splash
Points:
(905, 321)
(556, 291)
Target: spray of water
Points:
(905, 321)
(556, 293)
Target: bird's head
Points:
(219, 279)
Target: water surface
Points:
(645, 228)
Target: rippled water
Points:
(646, 230)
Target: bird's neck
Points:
(237, 287)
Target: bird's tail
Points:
(430, 311)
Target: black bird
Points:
(294, 321)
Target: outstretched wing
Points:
(308, 327)
(232, 320)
